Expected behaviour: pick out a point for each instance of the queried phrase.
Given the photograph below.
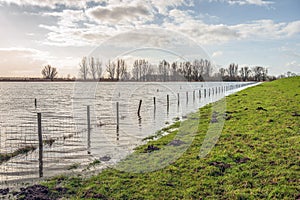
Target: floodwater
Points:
(64, 105)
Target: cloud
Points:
(293, 66)
(163, 6)
(29, 62)
(245, 2)
(217, 54)
(21, 61)
(67, 17)
(198, 30)
(292, 28)
(116, 14)
(81, 25)
(159, 6)
(267, 29)
(204, 33)
(47, 3)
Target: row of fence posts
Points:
(206, 92)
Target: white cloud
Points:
(217, 54)
(22, 61)
(158, 5)
(29, 62)
(47, 3)
(245, 2)
(163, 6)
(68, 18)
(293, 66)
(219, 33)
(90, 26)
(267, 29)
(292, 28)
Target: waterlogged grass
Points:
(23, 150)
(257, 156)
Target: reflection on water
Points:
(121, 115)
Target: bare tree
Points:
(164, 69)
(145, 70)
(245, 73)
(135, 70)
(98, 68)
(92, 67)
(84, 70)
(111, 68)
(222, 72)
(207, 68)
(260, 73)
(185, 69)
(265, 74)
(233, 71)
(150, 72)
(140, 69)
(120, 69)
(49, 72)
(198, 70)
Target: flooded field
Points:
(64, 111)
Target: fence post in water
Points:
(140, 104)
(117, 110)
(88, 130)
(154, 102)
(194, 95)
(199, 94)
(167, 100)
(187, 97)
(40, 136)
(178, 99)
(35, 103)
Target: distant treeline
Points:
(142, 70)
(91, 69)
(32, 79)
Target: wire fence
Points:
(62, 141)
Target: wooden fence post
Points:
(40, 136)
(88, 130)
(187, 97)
(167, 104)
(117, 112)
(140, 104)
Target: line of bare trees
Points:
(90, 68)
(142, 70)
(233, 73)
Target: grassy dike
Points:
(256, 157)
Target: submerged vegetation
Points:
(23, 150)
(256, 157)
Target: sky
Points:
(251, 33)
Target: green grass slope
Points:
(256, 157)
